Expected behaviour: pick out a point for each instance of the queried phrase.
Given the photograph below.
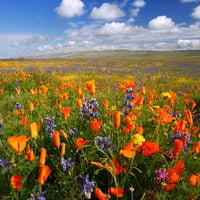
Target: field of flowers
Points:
(99, 129)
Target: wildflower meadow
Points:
(100, 129)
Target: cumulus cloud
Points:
(188, 1)
(70, 8)
(196, 12)
(47, 47)
(115, 28)
(139, 3)
(188, 44)
(160, 23)
(135, 12)
(107, 12)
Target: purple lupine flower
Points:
(50, 125)
(4, 164)
(129, 90)
(17, 83)
(125, 112)
(37, 196)
(128, 104)
(18, 106)
(138, 84)
(176, 115)
(129, 96)
(86, 186)
(104, 143)
(161, 175)
(89, 109)
(197, 117)
(73, 132)
(66, 163)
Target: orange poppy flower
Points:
(80, 142)
(33, 92)
(127, 84)
(148, 148)
(195, 129)
(43, 156)
(98, 164)
(193, 104)
(188, 116)
(15, 182)
(180, 125)
(115, 168)
(31, 106)
(196, 147)
(173, 176)
(95, 125)
(56, 139)
(168, 187)
(79, 102)
(163, 116)
(140, 100)
(129, 120)
(19, 111)
(44, 172)
(118, 191)
(151, 99)
(63, 134)
(179, 167)
(66, 112)
(177, 147)
(143, 90)
(24, 121)
(17, 143)
(44, 89)
(18, 90)
(62, 149)
(105, 104)
(139, 130)
(99, 194)
(30, 154)
(64, 96)
(34, 129)
(117, 118)
(37, 102)
(128, 150)
(194, 179)
(90, 85)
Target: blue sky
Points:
(48, 27)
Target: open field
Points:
(101, 125)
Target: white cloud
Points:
(124, 3)
(70, 8)
(188, 1)
(135, 12)
(37, 38)
(139, 3)
(71, 43)
(196, 12)
(160, 23)
(47, 47)
(115, 28)
(188, 44)
(107, 12)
